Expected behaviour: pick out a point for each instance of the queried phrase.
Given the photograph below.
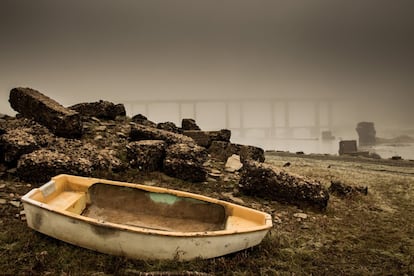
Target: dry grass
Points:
(361, 235)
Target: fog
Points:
(358, 53)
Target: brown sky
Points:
(78, 51)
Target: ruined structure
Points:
(366, 133)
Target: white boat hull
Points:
(136, 242)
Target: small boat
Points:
(140, 221)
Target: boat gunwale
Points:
(149, 231)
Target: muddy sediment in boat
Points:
(135, 207)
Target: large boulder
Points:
(100, 109)
(40, 165)
(169, 126)
(66, 156)
(200, 137)
(185, 161)
(34, 105)
(189, 124)
(264, 181)
(14, 143)
(205, 138)
(146, 155)
(22, 140)
(142, 120)
(142, 132)
(223, 150)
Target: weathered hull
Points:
(138, 242)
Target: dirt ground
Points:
(356, 235)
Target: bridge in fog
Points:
(264, 118)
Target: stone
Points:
(100, 109)
(265, 181)
(39, 166)
(146, 155)
(185, 161)
(14, 143)
(300, 215)
(142, 132)
(189, 124)
(205, 138)
(142, 120)
(341, 189)
(233, 164)
(348, 147)
(66, 156)
(3, 201)
(221, 135)
(15, 203)
(169, 126)
(34, 105)
(366, 133)
(202, 138)
(223, 150)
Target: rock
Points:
(347, 147)
(141, 132)
(66, 156)
(223, 150)
(39, 166)
(146, 155)
(185, 161)
(189, 124)
(233, 198)
(142, 120)
(202, 138)
(42, 109)
(300, 215)
(264, 181)
(3, 201)
(169, 126)
(101, 109)
(233, 164)
(396, 157)
(221, 135)
(15, 203)
(16, 142)
(343, 190)
(100, 128)
(366, 133)
(251, 153)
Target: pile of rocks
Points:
(46, 139)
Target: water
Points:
(406, 151)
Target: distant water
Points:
(406, 151)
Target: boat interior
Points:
(144, 206)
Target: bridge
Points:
(271, 118)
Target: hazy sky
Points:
(76, 51)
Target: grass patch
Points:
(360, 235)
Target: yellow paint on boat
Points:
(140, 221)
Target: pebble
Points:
(15, 203)
(2, 186)
(3, 201)
(300, 215)
(277, 220)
